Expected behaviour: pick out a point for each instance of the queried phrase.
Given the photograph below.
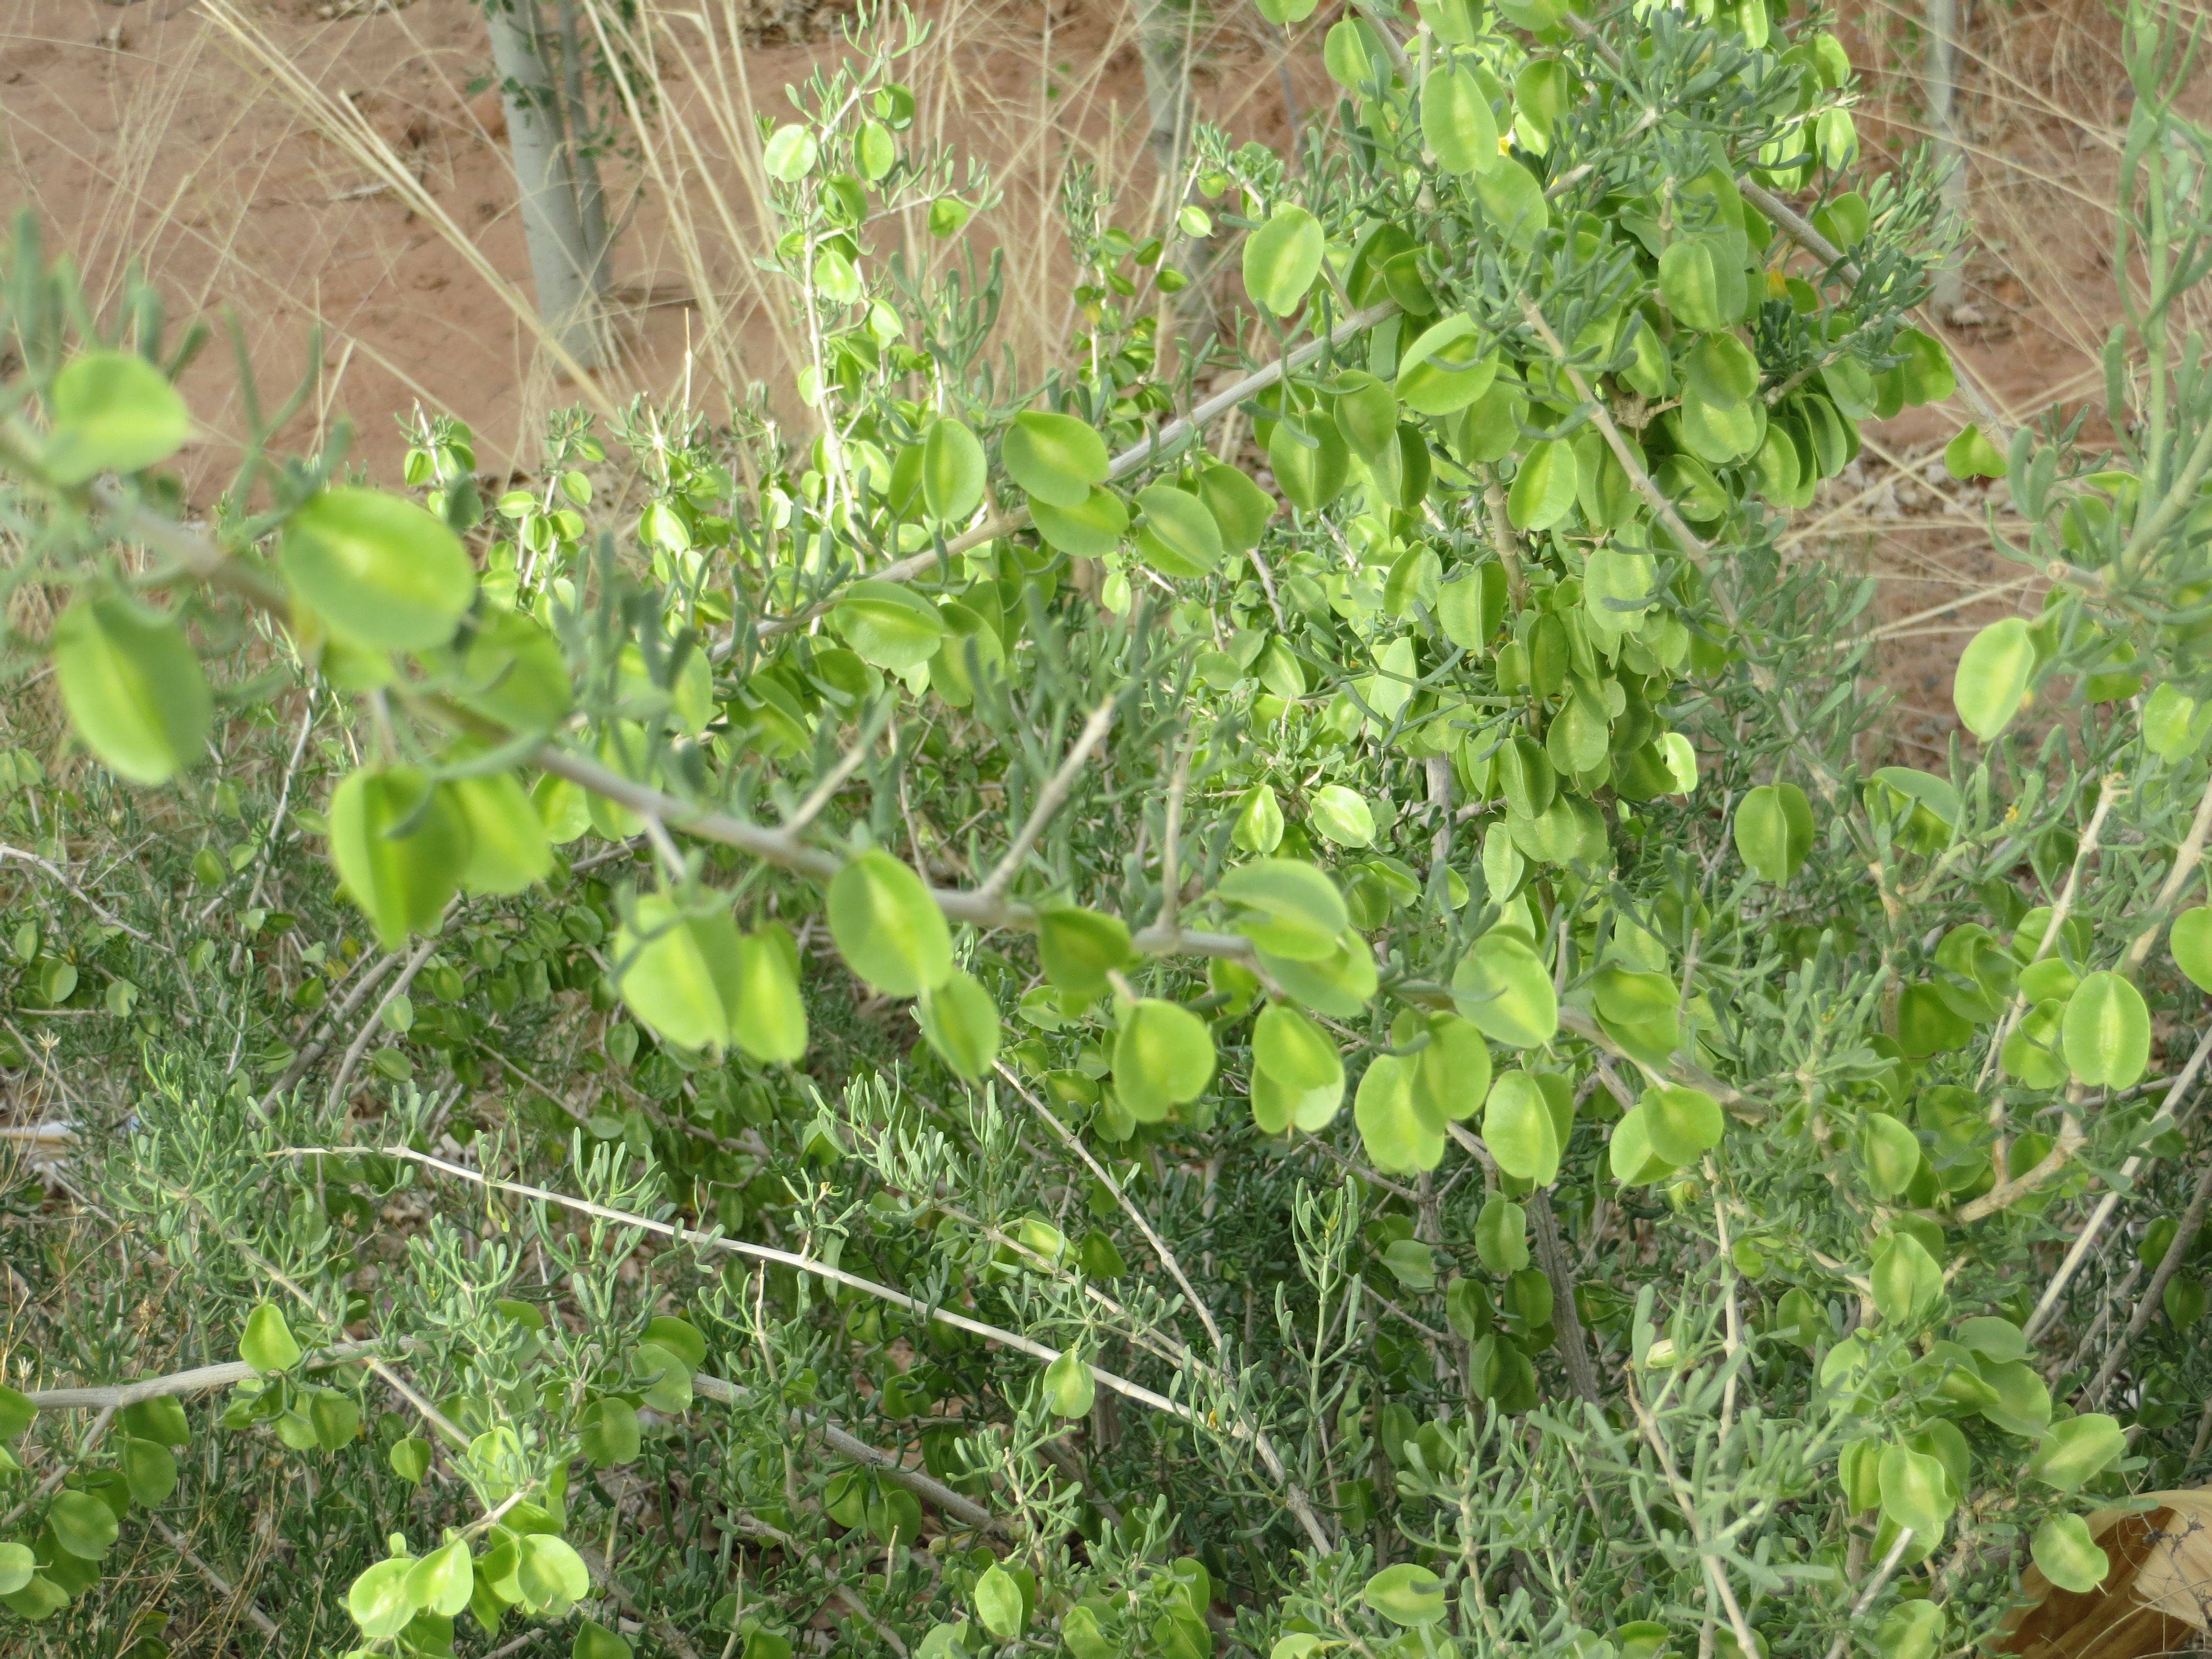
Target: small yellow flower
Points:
(1777, 285)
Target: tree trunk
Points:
(565, 264)
(591, 196)
(1941, 79)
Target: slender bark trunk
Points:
(590, 195)
(1941, 80)
(1567, 1320)
(563, 260)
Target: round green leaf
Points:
(1694, 281)
(110, 411)
(2067, 1555)
(608, 1432)
(1774, 831)
(999, 1603)
(133, 688)
(1258, 824)
(1514, 204)
(887, 927)
(1544, 488)
(1911, 1630)
(1289, 1046)
(1908, 1282)
(679, 1336)
(1240, 507)
(1471, 605)
(1339, 983)
(1916, 1491)
(1971, 455)
(1178, 537)
(1406, 1594)
(593, 1639)
(1451, 1076)
(379, 1601)
(1445, 370)
(1504, 989)
(1287, 907)
(160, 1420)
(1992, 1338)
(790, 154)
(508, 850)
(1091, 531)
(875, 151)
(1162, 1057)
(1079, 948)
(1456, 122)
(149, 1470)
(1366, 414)
(17, 1413)
(1618, 587)
(381, 573)
(268, 1344)
(550, 1573)
(768, 1016)
(1311, 461)
(663, 1378)
(81, 1524)
(1891, 1151)
(1501, 1235)
(1069, 1387)
(1341, 817)
(1682, 1124)
(679, 972)
(1055, 458)
(888, 624)
(1927, 1025)
(442, 1581)
(1722, 370)
(961, 1024)
(1993, 676)
(410, 1459)
(2076, 1450)
(1518, 1127)
(17, 1566)
(2192, 944)
(953, 470)
(1277, 1107)
(2107, 1032)
(1282, 258)
(1398, 1140)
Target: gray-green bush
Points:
(997, 1027)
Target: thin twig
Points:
(365, 981)
(963, 1510)
(368, 1032)
(216, 1582)
(61, 878)
(2193, 1219)
(1865, 1598)
(1050, 801)
(2047, 1305)
(848, 764)
(683, 1234)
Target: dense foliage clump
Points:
(1257, 998)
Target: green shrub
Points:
(997, 1027)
